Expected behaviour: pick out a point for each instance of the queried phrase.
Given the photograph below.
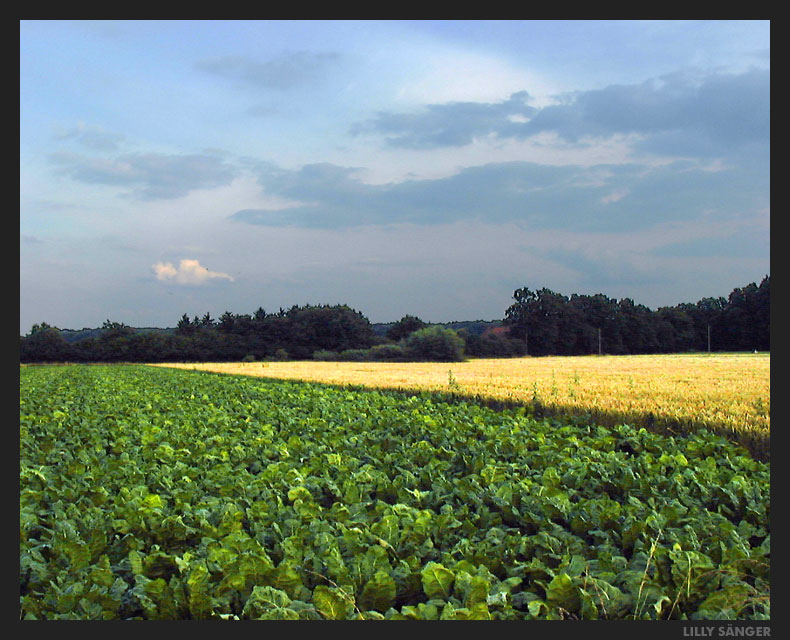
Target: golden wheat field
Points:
(728, 393)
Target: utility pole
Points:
(599, 341)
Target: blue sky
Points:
(401, 167)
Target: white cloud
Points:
(189, 272)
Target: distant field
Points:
(727, 393)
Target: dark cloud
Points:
(283, 72)
(449, 125)
(679, 114)
(150, 176)
(598, 198)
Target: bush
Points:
(353, 355)
(405, 327)
(325, 355)
(436, 344)
(387, 353)
(250, 357)
(494, 346)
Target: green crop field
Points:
(153, 493)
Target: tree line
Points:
(553, 324)
(538, 323)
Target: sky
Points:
(427, 168)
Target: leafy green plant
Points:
(150, 493)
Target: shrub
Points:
(353, 355)
(494, 346)
(388, 353)
(325, 355)
(435, 343)
(404, 327)
(250, 357)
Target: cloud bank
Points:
(678, 114)
(595, 198)
(150, 176)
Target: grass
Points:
(726, 393)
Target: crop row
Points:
(161, 494)
(726, 393)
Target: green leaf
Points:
(692, 572)
(299, 493)
(332, 603)
(477, 590)
(200, 605)
(287, 579)
(101, 573)
(437, 580)
(479, 612)
(449, 612)
(136, 562)
(727, 603)
(267, 603)
(562, 592)
(423, 611)
(379, 592)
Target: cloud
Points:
(682, 114)
(283, 72)
(590, 198)
(93, 137)
(679, 114)
(454, 124)
(151, 176)
(189, 272)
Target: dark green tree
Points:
(325, 327)
(405, 326)
(207, 322)
(185, 326)
(434, 344)
(44, 343)
(541, 319)
(226, 322)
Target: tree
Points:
(44, 343)
(226, 322)
(207, 322)
(708, 318)
(332, 328)
(676, 330)
(747, 317)
(435, 344)
(112, 329)
(185, 326)
(405, 326)
(539, 318)
(637, 329)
